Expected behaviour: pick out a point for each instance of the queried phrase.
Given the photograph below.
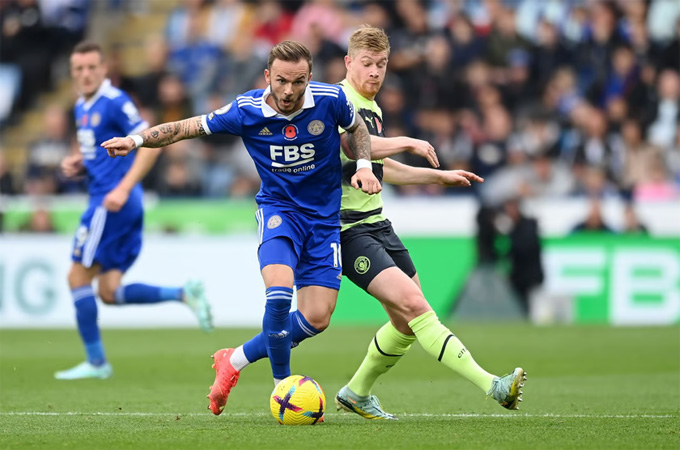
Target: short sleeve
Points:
(126, 116)
(227, 119)
(345, 111)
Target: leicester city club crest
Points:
(315, 127)
(273, 222)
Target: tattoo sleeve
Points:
(171, 132)
(360, 141)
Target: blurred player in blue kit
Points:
(109, 237)
(290, 130)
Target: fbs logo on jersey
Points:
(292, 155)
(290, 132)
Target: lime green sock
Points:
(384, 351)
(439, 341)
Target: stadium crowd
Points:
(542, 98)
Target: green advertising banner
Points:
(443, 266)
(607, 278)
(617, 279)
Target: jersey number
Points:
(337, 254)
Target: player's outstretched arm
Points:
(359, 141)
(384, 147)
(158, 136)
(395, 172)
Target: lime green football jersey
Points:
(357, 207)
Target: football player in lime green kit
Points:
(390, 277)
(375, 259)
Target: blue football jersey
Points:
(109, 113)
(297, 156)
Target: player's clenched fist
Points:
(365, 180)
(72, 165)
(119, 146)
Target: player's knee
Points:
(107, 294)
(414, 305)
(320, 321)
(76, 278)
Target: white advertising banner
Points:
(34, 291)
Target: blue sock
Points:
(256, 348)
(138, 293)
(276, 325)
(86, 317)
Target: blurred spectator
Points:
(6, 178)
(524, 254)
(435, 89)
(172, 100)
(178, 25)
(522, 250)
(39, 222)
(409, 46)
(43, 172)
(272, 25)
(593, 183)
(322, 15)
(657, 184)
(10, 79)
(595, 150)
(669, 57)
(196, 63)
(226, 21)
(492, 153)
(662, 18)
(503, 44)
(639, 156)
(145, 88)
(180, 169)
(543, 97)
(26, 42)
(623, 77)
(631, 222)
(539, 178)
(239, 69)
(547, 55)
(67, 21)
(667, 111)
(593, 221)
(466, 46)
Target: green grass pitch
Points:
(588, 387)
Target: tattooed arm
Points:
(359, 141)
(158, 136)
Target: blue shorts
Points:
(315, 243)
(111, 239)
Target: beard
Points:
(290, 106)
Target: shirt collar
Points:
(268, 111)
(104, 86)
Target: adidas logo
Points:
(279, 335)
(265, 132)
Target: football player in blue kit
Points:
(290, 130)
(110, 234)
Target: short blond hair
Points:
(369, 38)
(290, 51)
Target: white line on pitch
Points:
(460, 415)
